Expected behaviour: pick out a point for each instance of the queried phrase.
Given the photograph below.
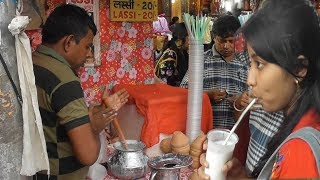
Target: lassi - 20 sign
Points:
(133, 10)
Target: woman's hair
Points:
(279, 32)
(225, 26)
(179, 33)
(174, 20)
(66, 20)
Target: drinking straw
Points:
(196, 25)
(186, 18)
(239, 120)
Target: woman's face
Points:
(271, 84)
(159, 42)
(183, 44)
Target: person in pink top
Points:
(283, 40)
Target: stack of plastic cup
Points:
(195, 89)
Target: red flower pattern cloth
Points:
(126, 54)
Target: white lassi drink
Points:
(218, 153)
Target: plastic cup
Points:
(217, 153)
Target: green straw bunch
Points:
(196, 26)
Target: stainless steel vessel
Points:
(128, 163)
(167, 166)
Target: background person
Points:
(207, 37)
(172, 24)
(223, 71)
(173, 63)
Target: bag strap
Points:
(11, 80)
(309, 135)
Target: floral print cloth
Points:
(126, 54)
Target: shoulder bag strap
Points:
(309, 135)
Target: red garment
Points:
(243, 132)
(295, 158)
(164, 109)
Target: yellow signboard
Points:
(134, 10)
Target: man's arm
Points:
(85, 138)
(82, 126)
(85, 144)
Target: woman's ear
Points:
(302, 69)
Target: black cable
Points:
(11, 80)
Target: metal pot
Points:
(167, 166)
(128, 163)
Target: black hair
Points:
(279, 33)
(225, 26)
(179, 32)
(174, 20)
(67, 20)
(205, 11)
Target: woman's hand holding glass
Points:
(204, 164)
(233, 168)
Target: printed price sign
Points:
(134, 10)
(85, 4)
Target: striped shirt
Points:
(263, 127)
(62, 108)
(219, 74)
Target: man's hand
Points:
(116, 100)
(243, 100)
(100, 117)
(216, 95)
(85, 140)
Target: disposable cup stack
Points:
(195, 89)
(196, 26)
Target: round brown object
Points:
(182, 150)
(179, 140)
(198, 142)
(165, 145)
(195, 152)
(196, 162)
